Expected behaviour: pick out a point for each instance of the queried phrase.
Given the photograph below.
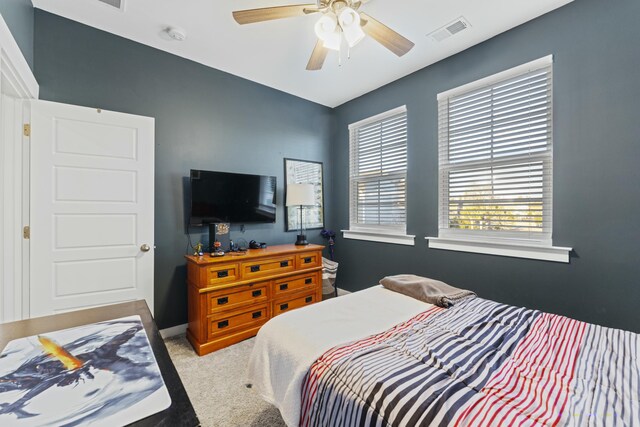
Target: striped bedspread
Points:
(479, 363)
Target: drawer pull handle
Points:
(307, 281)
(222, 301)
(223, 324)
(256, 293)
(284, 263)
(223, 273)
(308, 299)
(284, 286)
(255, 268)
(308, 260)
(284, 306)
(257, 314)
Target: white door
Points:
(91, 208)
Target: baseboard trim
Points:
(173, 331)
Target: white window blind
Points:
(378, 172)
(495, 156)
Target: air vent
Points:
(118, 4)
(450, 29)
(456, 27)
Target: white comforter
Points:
(287, 345)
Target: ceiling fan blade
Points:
(250, 16)
(318, 56)
(385, 35)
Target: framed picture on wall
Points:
(305, 172)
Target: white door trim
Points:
(11, 217)
(15, 69)
(17, 82)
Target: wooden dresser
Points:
(231, 297)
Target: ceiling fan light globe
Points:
(333, 41)
(350, 23)
(325, 26)
(353, 35)
(348, 17)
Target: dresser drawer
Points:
(234, 321)
(267, 267)
(219, 274)
(233, 298)
(309, 260)
(294, 283)
(285, 305)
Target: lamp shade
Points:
(300, 195)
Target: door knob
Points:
(145, 248)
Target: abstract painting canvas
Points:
(103, 374)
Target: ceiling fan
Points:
(340, 19)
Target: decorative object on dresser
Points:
(231, 297)
(300, 195)
(219, 232)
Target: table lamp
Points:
(301, 195)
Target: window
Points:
(378, 178)
(495, 162)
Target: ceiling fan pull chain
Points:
(340, 48)
(348, 53)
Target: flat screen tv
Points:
(232, 197)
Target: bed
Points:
(377, 357)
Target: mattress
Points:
(288, 344)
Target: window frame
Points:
(504, 243)
(377, 233)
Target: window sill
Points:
(376, 236)
(544, 253)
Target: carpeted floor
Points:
(215, 384)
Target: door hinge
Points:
(26, 129)
(26, 232)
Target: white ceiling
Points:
(275, 53)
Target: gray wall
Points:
(596, 169)
(18, 14)
(205, 119)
